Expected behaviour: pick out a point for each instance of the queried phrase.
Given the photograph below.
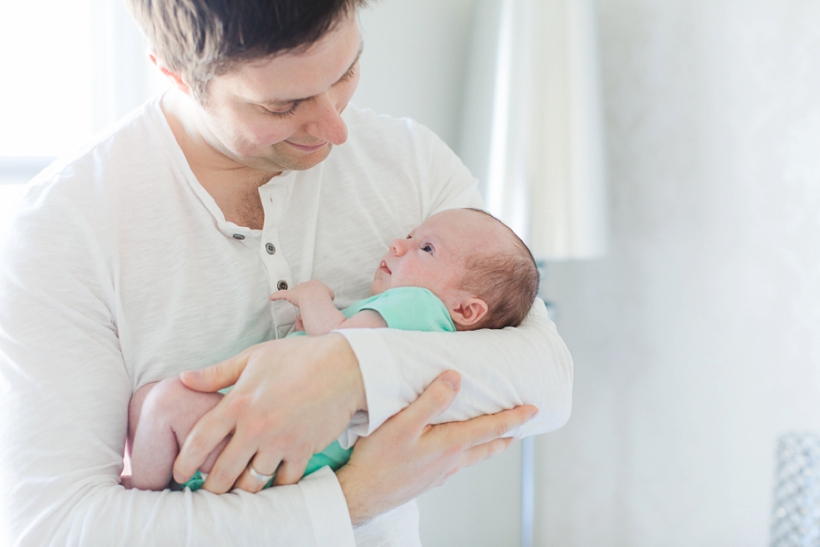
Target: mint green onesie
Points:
(404, 308)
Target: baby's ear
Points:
(468, 312)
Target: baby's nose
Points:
(397, 247)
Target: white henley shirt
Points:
(119, 269)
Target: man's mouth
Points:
(307, 148)
(383, 267)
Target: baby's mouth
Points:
(384, 268)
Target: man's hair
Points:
(201, 39)
(507, 281)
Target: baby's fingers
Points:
(280, 295)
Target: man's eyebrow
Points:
(286, 102)
(356, 60)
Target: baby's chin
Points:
(377, 288)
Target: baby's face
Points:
(434, 255)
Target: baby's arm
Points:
(318, 314)
(160, 416)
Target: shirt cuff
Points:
(327, 509)
(380, 377)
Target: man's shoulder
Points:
(394, 147)
(124, 147)
(367, 118)
(369, 127)
(128, 149)
(110, 174)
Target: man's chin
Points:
(301, 162)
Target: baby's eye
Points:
(427, 248)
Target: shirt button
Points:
(282, 285)
(270, 248)
(238, 236)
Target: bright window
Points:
(46, 97)
(69, 68)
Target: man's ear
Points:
(467, 313)
(173, 77)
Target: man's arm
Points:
(283, 385)
(406, 456)
(64, 392)
(501, 369)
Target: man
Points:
(152, 252)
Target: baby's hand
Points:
(302, 292)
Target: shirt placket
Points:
(276, 264)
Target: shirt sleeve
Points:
(411, 308)
(500, 369)
(64, 393)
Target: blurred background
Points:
(695, 337)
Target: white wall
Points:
(696, 341)
(414, 64)
(415, 61)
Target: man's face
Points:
(435, 254)
(284, 112)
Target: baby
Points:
(461, 269)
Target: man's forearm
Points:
(406, 456)
(500, 369)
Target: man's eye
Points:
(349, 74)
(283, 113)
(427, 248)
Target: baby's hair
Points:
(507, 282)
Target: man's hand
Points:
(291, 399)
(309, 290)
(407, 456)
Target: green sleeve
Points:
(408, 308)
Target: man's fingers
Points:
(230, 464)
(248, 483)
(487, 428)
(217, 376)
(206, 435)
(433, 401)
(289, 472)
(263, 463)
(484, 451)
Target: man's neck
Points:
(233, 186)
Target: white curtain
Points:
(533, 127)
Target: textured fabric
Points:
(119, 269)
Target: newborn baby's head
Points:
(471, 261)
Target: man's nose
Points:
(327, 123)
